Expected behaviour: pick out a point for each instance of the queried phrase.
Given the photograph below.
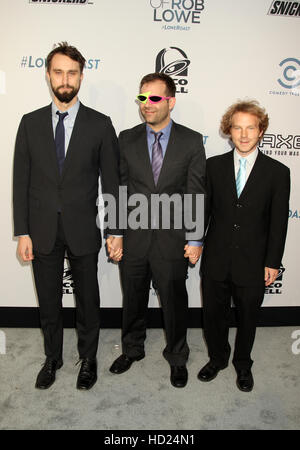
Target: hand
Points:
(193, 253)
(24, 249)
(115, 247)
(270, 275)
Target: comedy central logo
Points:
(174, 62)
(68, 283)
(276, 287)
(289, 78)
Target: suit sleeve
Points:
(21, 178)
(208, 197)
(196, 187)
(278, 218)
(123, 162)
(109, 166)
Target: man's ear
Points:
(172, 102)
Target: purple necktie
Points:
(157, 156)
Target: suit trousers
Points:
(169, 278)
(48, 274)
(217, 297)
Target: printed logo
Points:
(174, 62)
(68, 284)
(62, 2)
(276, 287)
(294, 214)
(296, 343)
(291, 73)
(279, 145)
(33, 62)
(177, 14)
(289, 78)
(289, 9)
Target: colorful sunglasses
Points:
(152, 98)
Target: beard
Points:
(67, 96)
(156, 118)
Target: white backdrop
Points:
(232, 49)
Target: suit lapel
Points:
(48, 139)
(173, 153)
(229, 175)
(255, 176)
(142, 155)
(76, 142)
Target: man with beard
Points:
(162, 158)
(60, 151)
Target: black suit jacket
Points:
(248, 233)
(182, 172)
(39, 191)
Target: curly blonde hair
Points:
(247, 106)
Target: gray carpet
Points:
(143, 397)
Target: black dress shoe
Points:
(244, 380)
(209, 372)
(87, 376)
(179, 376)
(123, 363)
(46, 376)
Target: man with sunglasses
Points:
(158, 157)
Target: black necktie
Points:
(157, 156)
(60, 140)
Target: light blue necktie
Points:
(241, 176)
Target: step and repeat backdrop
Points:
(216, 51)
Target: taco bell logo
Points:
(276, 287)
(68, 283)
(173, 61)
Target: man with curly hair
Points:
(246, 219)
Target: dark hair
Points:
(64, 49)
(170, 85)
(246, 106)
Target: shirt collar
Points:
(72, 112)
(250, 158)
(166, 131)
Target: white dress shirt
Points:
(250, 160)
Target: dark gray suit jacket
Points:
(183, 172)
(39, 191)
(245, 234)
